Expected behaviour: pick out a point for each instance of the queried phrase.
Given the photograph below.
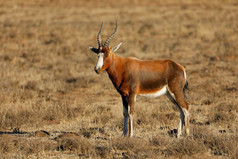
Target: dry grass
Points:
(12, 146)
(53, 105)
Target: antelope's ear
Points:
(93, 49)
(115, 48)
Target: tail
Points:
(185, 88)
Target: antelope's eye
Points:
(105, 54)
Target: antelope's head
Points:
(104, 51)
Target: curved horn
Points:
(99, 36)
(110, 37)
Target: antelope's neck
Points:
(115, 71)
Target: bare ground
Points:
(53, 105)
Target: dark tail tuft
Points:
(185, 88)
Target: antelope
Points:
(152, 78)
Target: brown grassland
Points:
(53, 104)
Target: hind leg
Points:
(182, 116)
(186, 121)
(182, 105)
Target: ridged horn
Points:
(110, 37)
(99, 36)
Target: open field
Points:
(53, 104)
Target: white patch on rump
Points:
(156, 94)
(185, 76)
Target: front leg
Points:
(131, 103)
(125, 113)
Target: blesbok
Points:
(152, 78)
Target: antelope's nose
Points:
(96, 69)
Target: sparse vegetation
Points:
(53, 105)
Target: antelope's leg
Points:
(181, 121)
(184, 110)
(186, 113)
(125, 114)
(131, 112)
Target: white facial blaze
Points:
(100, 61)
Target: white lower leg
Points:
(186, 114)
(131, 125)
(180, 126)
(179, 129)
